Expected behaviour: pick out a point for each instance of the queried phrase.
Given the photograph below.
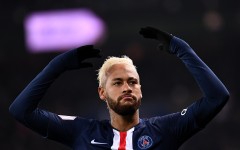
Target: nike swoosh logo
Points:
(94, 142)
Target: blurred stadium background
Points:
(211, 27)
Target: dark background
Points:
(211, 27)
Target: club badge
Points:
(144, 142)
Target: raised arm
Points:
(215, 94)
(24, 108)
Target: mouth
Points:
(127, 97)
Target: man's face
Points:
(122, 90)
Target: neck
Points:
(124, 123)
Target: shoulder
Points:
(81, 121)
(162, 121)
(164, 118)
(91, 123)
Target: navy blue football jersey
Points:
(167, 132)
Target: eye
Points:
(133, 82)
(117, 83)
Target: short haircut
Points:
(108, 63)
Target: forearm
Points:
(28, 100)
(215, 94)
(208, 82)
(24, 108)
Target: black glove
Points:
(163, 37)
(85, 52)
(73, 59)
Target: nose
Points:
(127, 88)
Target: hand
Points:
(163, 37)
(74, 59)
(85, 52)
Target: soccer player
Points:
(120, 88)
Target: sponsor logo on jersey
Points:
(94, 142)
(184, 111)
(144, 142)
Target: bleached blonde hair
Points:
(108, 63)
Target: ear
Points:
(101, 93)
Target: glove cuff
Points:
(176, 44)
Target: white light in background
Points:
(213, 21)
(62, 30)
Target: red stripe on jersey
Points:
(122, 144)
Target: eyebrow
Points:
(120, 79)
(115, 79)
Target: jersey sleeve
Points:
(25, 107)
(214, 94)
